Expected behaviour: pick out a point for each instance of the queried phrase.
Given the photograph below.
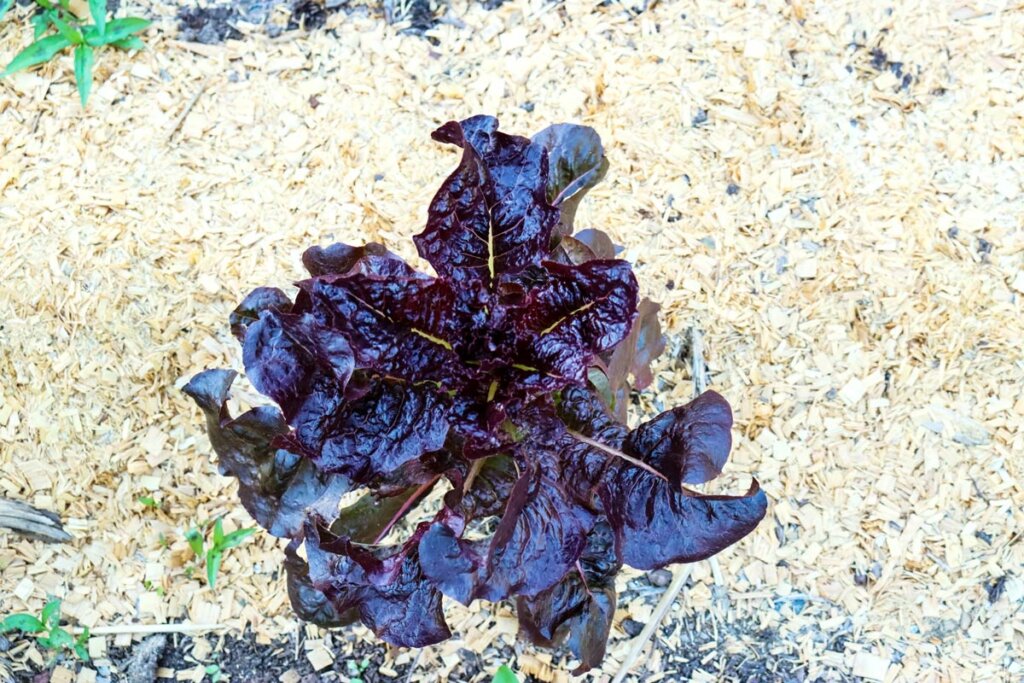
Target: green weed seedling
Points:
(355, 670)
(220, 543)
(46, 627)
(71, 31)
(504, 675)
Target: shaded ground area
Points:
(215, 23)
(714, 644)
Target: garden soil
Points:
(831, 192)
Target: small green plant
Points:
(73, 31)
(47, 625)
(220, 543)
(355, 670)
(504, 675)
(149, 501)
(214, 672)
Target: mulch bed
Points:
(832, 192)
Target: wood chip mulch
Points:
(831, 191)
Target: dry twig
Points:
(150, 628)
(698, 371)
(188, 109)
(681, 575)
(415, 663)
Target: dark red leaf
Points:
(688, 444)
(474, 431)
(538, 540)
(583, 467)
(309, 603)
(367, 518)
(571, 252)
(632, 357)
(540, 537)
(587, 245)
(296, 361)
(576, 163)
(638, 350)
(393, 424)
(490, 488)
(588, 634)
(598, 242)
(574, 313)
(656, 525)
(396, 325)
(385, 586)
(276, 487)
(455, 566)
(582, 411)
(338, 259)
(655, 522)
(582, 605)
(258, 300)
(491, 215)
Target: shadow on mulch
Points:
(764, 644)
(217, 23)
(741, 651)
(356, 659)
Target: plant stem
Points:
(405, 508)
(473, 471)
(616, 452)
(583, 578)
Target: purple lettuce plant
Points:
(502, 382)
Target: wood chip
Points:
(872, 667)
(62, 675)
(196, 674)
(97, 646)
(201, 649)
(24, 589)
(319, 656)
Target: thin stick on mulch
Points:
(415, 664)
(669, 597)
(698, 371)
(189, 106)
(150, 628)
